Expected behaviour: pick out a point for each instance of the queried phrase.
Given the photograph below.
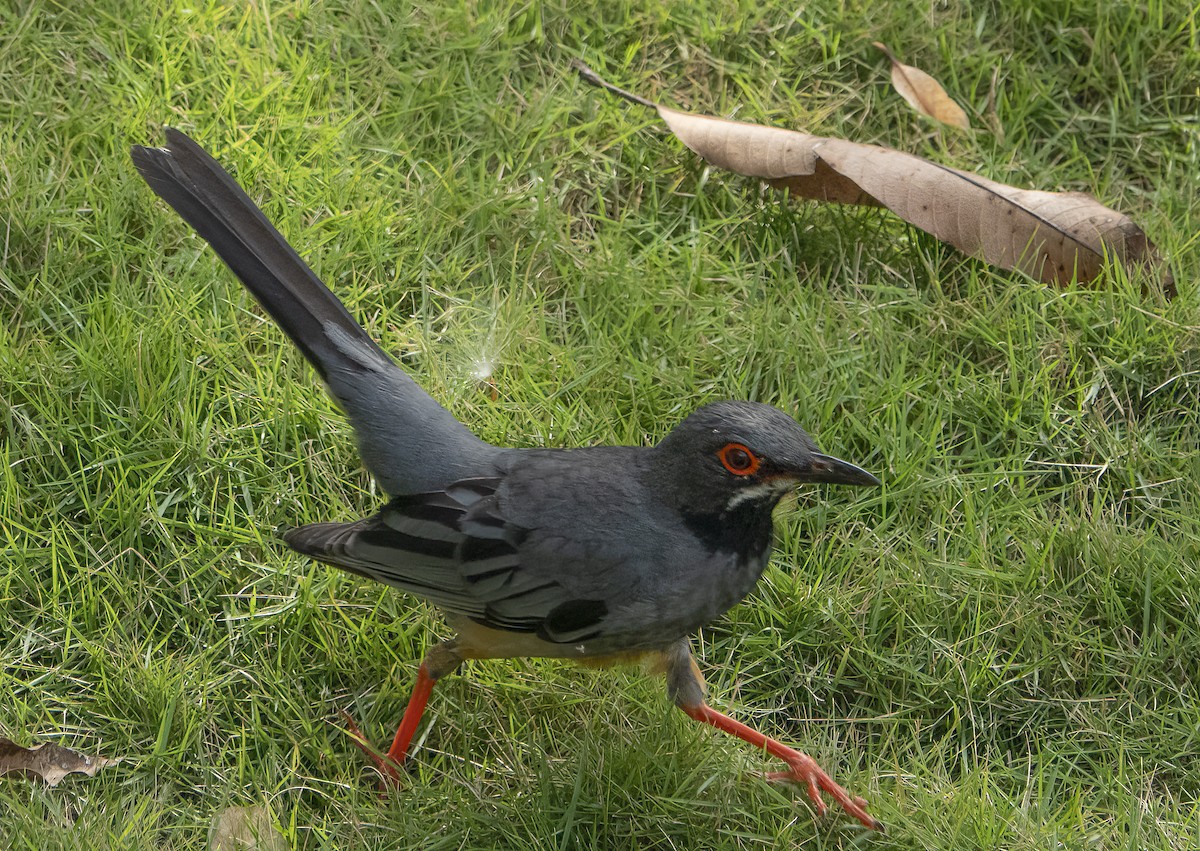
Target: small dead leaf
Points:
(48, 762)
(245, 829)
(923, 93)
(1052, 236)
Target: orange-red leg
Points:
(388, 763)
(801, 767)
(412, 716)
(441, 660)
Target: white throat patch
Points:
(762, 489)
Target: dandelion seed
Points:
(482, 368)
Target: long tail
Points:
(208, 199)
(408, 441)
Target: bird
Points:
(597, 554)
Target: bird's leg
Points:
(685, 684)
(440, 660)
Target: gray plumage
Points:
(597, 553)
(588, 552)
(393, 418)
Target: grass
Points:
(999, 648)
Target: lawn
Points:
(999, 648)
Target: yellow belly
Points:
(476, 641)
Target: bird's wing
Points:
(455, 549)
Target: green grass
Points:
(999, 648)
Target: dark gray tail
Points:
(410, 442)
(208, 199)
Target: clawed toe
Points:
(388, 769)
(805, 771)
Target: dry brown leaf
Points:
(245, 829)
(924, 93)
(1052, 236)
(48, 762)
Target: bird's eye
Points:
(738, 459)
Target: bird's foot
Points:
(389, 764)
(804, 770)
(388, 768)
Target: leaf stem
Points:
(595, 79)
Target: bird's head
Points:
(731, 460)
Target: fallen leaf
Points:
(1052, 236)
(924, 93)
(245, 829)
(48, 762)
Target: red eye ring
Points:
(738, 459)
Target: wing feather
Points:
(455, 549)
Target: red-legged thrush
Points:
(592, 553)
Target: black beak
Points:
(835, 471)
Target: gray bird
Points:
(597, 554)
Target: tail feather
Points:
(408, 441)
(208, 199)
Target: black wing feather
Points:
(455, 549)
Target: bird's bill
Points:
(835, 471)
